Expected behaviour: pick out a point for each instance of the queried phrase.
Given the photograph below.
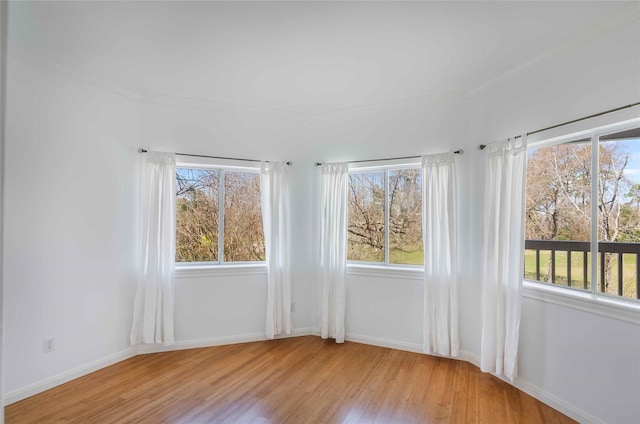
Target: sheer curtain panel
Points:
(440, 262)
(333, 249)
(503, 249)
(153, 306)
(274, 191)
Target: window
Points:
(582, 219)
(218, 216)
(385, 216)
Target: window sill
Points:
(195, 271)
(583, 301)
(410, 273)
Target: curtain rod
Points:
(584, 118)
(457, 152)
(141, 150)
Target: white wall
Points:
(585, 360)
(588, 361)
(385, 310)
(69, 235)
(220, 306)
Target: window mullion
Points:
(221, 185)
(386, 217)
(595, 175)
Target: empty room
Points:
(320, 212)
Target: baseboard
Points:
(395, 344)
(376, 341)
(554, 402)
(56, 380)
(219, 341)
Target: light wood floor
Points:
(298, 380)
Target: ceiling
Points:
(303, 57)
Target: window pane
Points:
(405, 217)
(196, 215)
(558, 214)
(619, 213)
(243, 235)
(366, 217)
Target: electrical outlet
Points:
(49, 344)
(293, 307)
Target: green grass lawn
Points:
(396, 256)
(577, 274)
(406, 257)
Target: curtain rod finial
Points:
(458, 152)
(482, 146)
(141, 150)
(318, 163)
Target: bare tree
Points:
(197, 215)
(198, 212)
(243, 233)
(366, 211)
(366, 217)
(559, 193)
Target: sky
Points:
(632, 146)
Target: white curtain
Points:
(503, 249)
(333, 249)
(274, 189)
(153, 307)
(440, 262)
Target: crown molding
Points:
(149, 98)
(66, 71)
(223, 106)
(400, 103)
(220, 106)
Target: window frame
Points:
(608, 304)
(359, 267)
(219, 267)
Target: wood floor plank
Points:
(460, 395)
(297, 380)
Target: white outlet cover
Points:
(49, 344)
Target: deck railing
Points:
(584, 247)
